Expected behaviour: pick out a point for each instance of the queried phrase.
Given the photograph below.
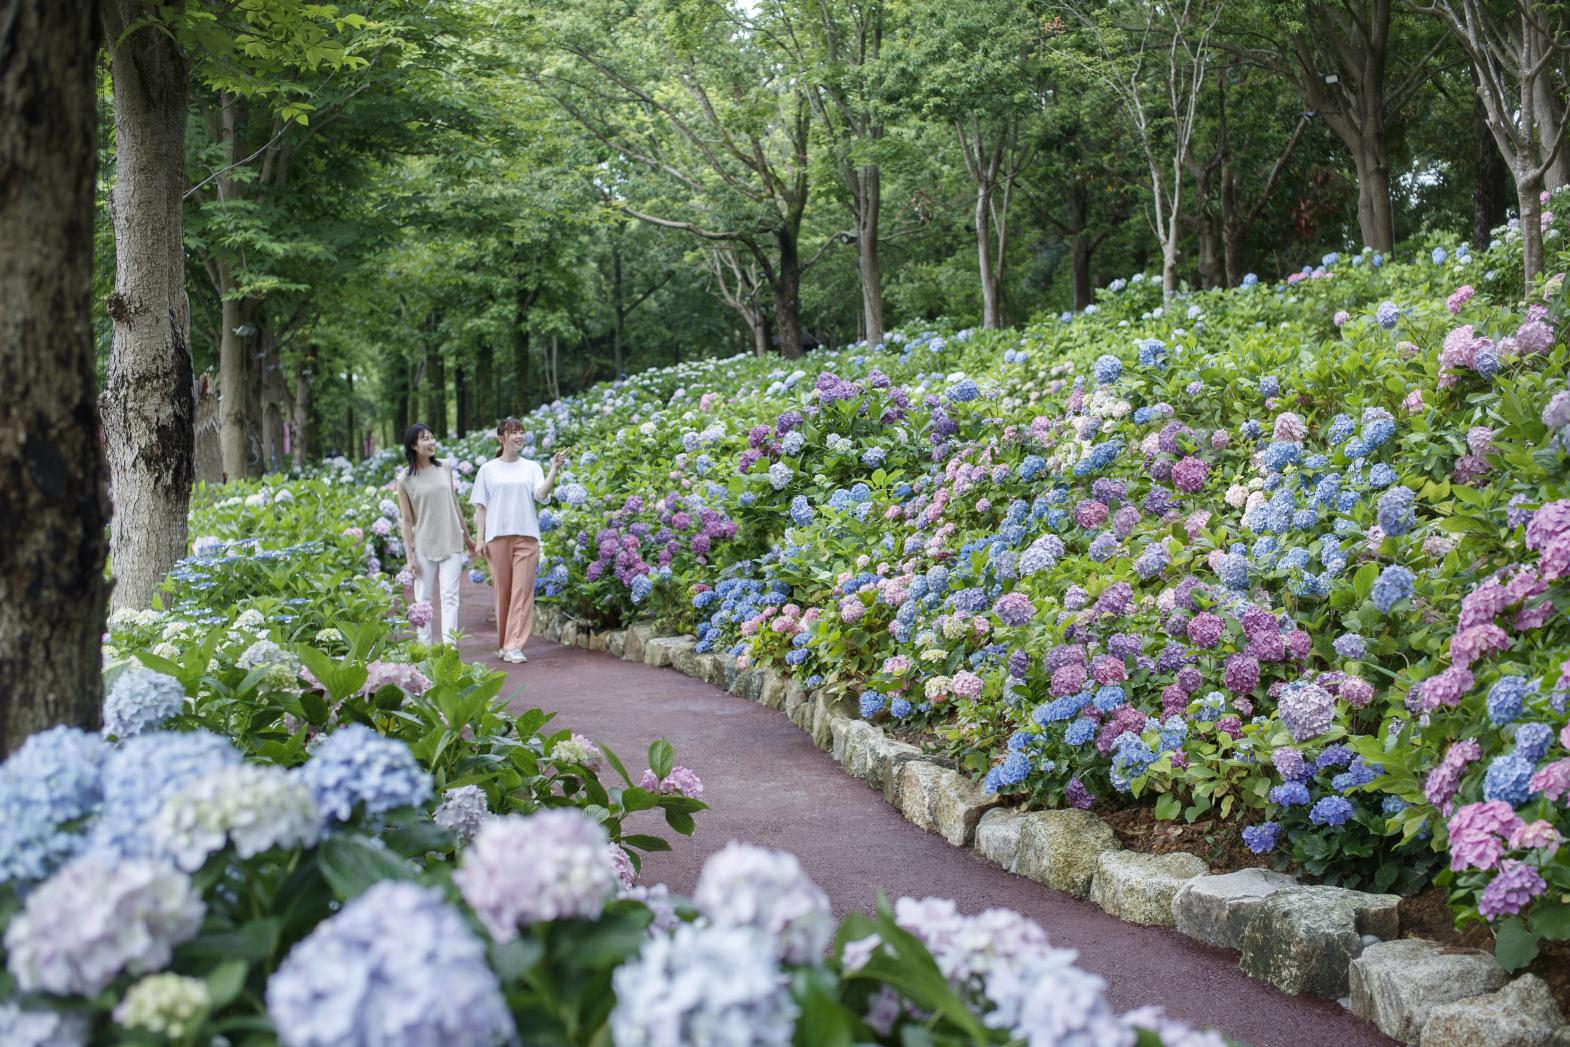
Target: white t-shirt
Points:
(508, 491)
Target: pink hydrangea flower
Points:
(1460, 297)
(1553, 781)
(1478, 834)
(1538, 835)
(1190, 473)
(1443, 781)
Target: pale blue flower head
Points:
(141, 700)
(356, 768)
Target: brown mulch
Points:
(1219, 843)
(1427, 915)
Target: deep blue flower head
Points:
(1381, 476)
(1341, 427)
(1080, 731)
(1269, 385)
(356, 768)
(800, 511)
(1357, 775)
(1393, 585)
(1281, 454)
(641, 587)
(1377, 429)
(1152, 352)
(1507, 779)
(1109, 697)
(1331, 810)
(899, 708)
(1289, 794)
(1387, 315)
(1108, 369)
(963, 391)
(1532, 741)
(1337, 755)
(1262, 838)
(871, 703)
(1507, 698)
(1395, 510)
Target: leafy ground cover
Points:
(1288, 560)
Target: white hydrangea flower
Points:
(281, 670)
(250, 619)
(463, 811)
(747, 886)
(168, 1005)
(253, 806)
(547, 866)
(92, 920)
(703, 987)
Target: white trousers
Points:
(444, 575)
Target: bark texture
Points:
(148, 405)
(52, 585)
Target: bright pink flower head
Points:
(1538, 835)
(1468, 645)
(1460, 297)
(1478, 833)
(1553, 781)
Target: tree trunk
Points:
(435, 389)
(787, 294)
(759, 325)
(867, 262)
(520, 348)
(1491, 184)
(1528, 189)
(232, 379)
(460, 391)
(989, 283)
(149, 403)
(350, 436)
(1549, 110)
(1374, 218)
(618, 302)
(485, 385)
(52, 586)
(302, 407)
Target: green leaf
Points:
(513, 958)
(661, 758)
(1514, 945)
(1550, 920)
(638, 799)
(225, 981)
(253, 941)
(645, 842)
(352, 863)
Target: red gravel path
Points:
(768, 784)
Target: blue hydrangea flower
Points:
(1341, 428)
(356, 768)
(1331, 810)
(58, 774)
(1392, 805)
(1507, 779)
(1108, 369)
(397, 967)
(1350, 646)
(141, 700)
(1262, 838)
(1080, 731)
(801, 513)
(1269, 386)
(642, 587)
(871, 702)
(1532, 741)
(141, 774)
(1393, 585)
(1387, 315)
(1395, 510)
(1289, 794)
(899, 708)
(963, 391)
(1109, 697)
(1507, 698)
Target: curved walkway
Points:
(768, 784)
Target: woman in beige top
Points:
(434, 532)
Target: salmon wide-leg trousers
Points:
(514, 560)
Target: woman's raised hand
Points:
(558, 459)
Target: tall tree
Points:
(1518, 50)
(52, 587)
(690, 97)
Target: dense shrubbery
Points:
(299, 827)
(1292, 555)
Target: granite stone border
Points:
(1303, 939)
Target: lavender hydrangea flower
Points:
(703, 987)
(1262, 838)
(1393, 585)
(141, 700)
(1014, 609)
(42, 1028)
(92, 920)
(463, 811)
(251, 806)
(1307, 710)
(548, 866)
(354, 767)
(397, 967)
(1350, 646)
(747, 886)
(1512, 890)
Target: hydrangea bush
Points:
(1290, 556)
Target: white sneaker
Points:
(501, 655)
(522, 657)
(515, 657)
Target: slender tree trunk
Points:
(520, 347)
(232, 381)
(350, 436)
(787, 294)
(1549, 110)
(618, 303)
(149, 403)
(1080, 244)
(435, 388)
(1529, 187)
(1491, 182)
(485, 385)
(989, 283)
(302, 407)
(460, 390)
(52, 586)
(867, 262)
(758, 324)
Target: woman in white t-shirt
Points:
(504, 497)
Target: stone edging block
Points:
(1397, 985)
(1138, 888)
(1063, 848)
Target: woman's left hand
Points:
(558, 459)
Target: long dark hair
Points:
(411, 436)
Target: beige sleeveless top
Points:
(436, 529)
